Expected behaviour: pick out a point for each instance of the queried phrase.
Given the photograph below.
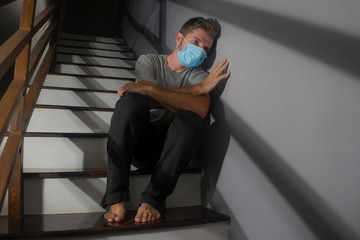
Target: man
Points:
(159, 120)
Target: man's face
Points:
(198, 37)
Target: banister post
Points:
(16, 198)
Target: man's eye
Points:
(196, 42)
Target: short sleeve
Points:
(144, 69)
(198, 75)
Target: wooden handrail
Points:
(16, 105)
(12, 48)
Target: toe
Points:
(109, 216)
(144, 217)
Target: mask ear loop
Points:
(183, 38)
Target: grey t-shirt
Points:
(154, 68)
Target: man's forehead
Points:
(202, 35)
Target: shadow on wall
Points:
(315, 212)
(214, 146)
(211, 56)
(9, 24)
(236, 230)
(92, 17)
(217, 136)
(336, 49)
(157, 42)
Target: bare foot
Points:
(116, 212)
(147, 213)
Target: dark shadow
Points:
(95, 123)
(236, 231)
(92, 17)
(214, 146)
(98, 53)
(339, 50)
(211, 56)
(34, 195)
(314, 210)
(9, 24)
(89, 188)
(93, 151)
(213, 150)
(158, 43)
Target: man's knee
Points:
(187, 122)
(130, 108)
(131, 102)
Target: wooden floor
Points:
(45, 226)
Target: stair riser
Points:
(83, 83)
(95, 71)
(70, 121)
(77, 98)
(64, 153)
(92, 38)
(214, 231)
(67, 154)
(102, 53)
(87, 44)
(65, 58)
(80, 195)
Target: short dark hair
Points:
(199, 22)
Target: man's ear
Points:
(179, 36)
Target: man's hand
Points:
(131, 87)
(218, 73)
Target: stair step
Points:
(94, 71)
(93, 45)
(79, 37)
(72, 151)
(84, 194)
(78, 59)
(96, 52)
(81, 192)
(79, 98)
(70, 120)
(85, 82)
(90, 173)
(204, 222)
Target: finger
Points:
(224, 68)
(221, 66)
(121, 93)
(223, 76)
(223, 62)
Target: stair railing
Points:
(18, 102)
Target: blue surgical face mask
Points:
(191, 56)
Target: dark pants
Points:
(166, 147)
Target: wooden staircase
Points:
(65, 156)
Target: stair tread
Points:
(82, 37)
(42, 226)
(65, 173)
(90, 90)
(104, 61)
(74, 108)
(93, 65)
(94, 76)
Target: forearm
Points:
(178, 101)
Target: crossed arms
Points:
(191, 98)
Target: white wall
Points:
(291, 105)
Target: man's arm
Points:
(167, 98)
(192, 98)
(218, 73)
